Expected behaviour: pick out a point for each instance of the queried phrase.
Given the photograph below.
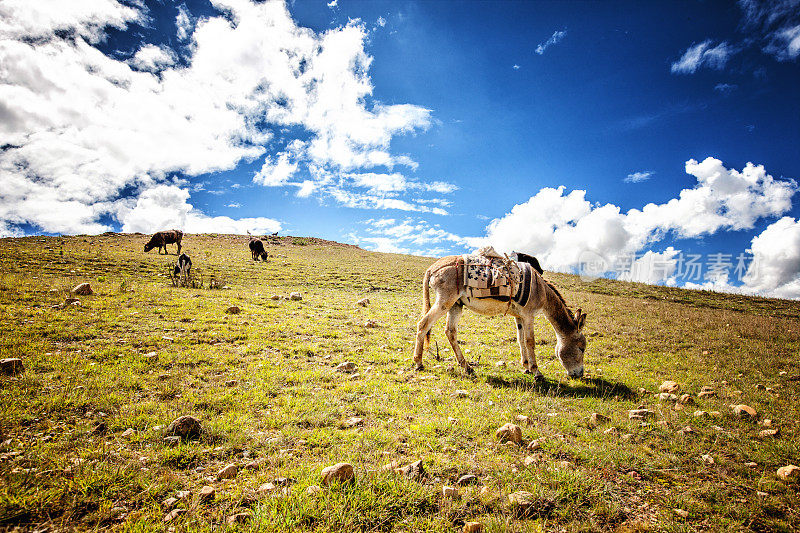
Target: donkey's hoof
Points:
(419, 368)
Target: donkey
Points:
(446, 276)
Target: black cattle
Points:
(184, 265)
(257, 249)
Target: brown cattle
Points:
(162, 238)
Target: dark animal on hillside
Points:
(183, 267)
(525, 258)
(162, 238)
(257, 249)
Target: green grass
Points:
(285, 415)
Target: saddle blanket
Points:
(489, 275)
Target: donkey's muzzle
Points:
(577, 373)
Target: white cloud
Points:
(153, 58)
(775, 270)
(83, 127)
(560, 229)
(785, 43)
(637, 177)
(234, 205)
(515, 67)
(410, 236)
(653, 268)
(167, 206)
(725, 88)
(333, 3)
(306, 188)
(554, 39)
(701, 54)
(381, 22)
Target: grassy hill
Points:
(82, 430)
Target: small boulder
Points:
(233, 310)
(295, 296)
(346, 367)
(707, 459)
(363, 302)
(640, 414)
(707, 392)
(415, 471)
(667, 397)
(522, 419)
(467, 479)
(275, 297)
(11, 365)
(231, 383)
(450, 493)
(266, 488)
(509, 432)
(743, 411)
(353, 422)
(789, 472)
(472, 527)
(185, 427)
(173, 440)
(596, 419)
(228, 472)
(460, 394)
(207, 493)
(172, 515)
(313, 490)
(371, 323)
(239, 518)
(766, 433)
(521, 502)
(686, 399)
(682, 513)
(169, 503)
(83, 289)
(130, 432)
(340, 472)
(500, 364)
(670, 386)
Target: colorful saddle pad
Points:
(493, 277)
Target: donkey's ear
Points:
(580, 319)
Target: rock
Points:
(467, 479)
(231, 383)
(371, 323)
(275, 297)
(700, 414)
(521, 502)
(640, 414)
(207, 493)
(500, 364)
(751, 464)
(228, 472)
(472, 527)
(172, 440)
(266, 488)
(340, 472)
(313, 490)
(460, 394)
(239, 518)
(627, 436)
(678, 406)
(353, 422)
(596, 419)
(707, 459)
(509, 432)
(681, 513)
(99, 429)
(686, 399)
(449, 493)
(761, 386)
(346, 367)
(130, 432)
(669, 386)
(522, 419)
(611, 431)
(296, 296)
(83, 289)
(363, 302)
(667, 397)
(183, 494)
(767, 422)
(185, 427)
(169, 503)
(11, 365)
(415, 471)
(766, 433)
(789, 472)
(172, 515)
(233, 310)
(531, 459)
(706, 393)
(744, 411)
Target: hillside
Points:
(82, 430)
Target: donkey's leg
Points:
(451, 330)
(523, 356)
(530, 344)
(423, 327)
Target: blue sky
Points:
(418, 127)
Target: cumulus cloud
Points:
(636, 177)
(653, 268)
(409, 236)
(775, 270)
(701, 54)
(84, 131)
(561, 228)
(554, 39)
(167, 206)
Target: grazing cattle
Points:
(162, 238)
(257, 249)
(527, 294)
(183, 267)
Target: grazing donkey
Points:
(446, 278)
(257, 249)
(161, 239)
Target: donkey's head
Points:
(570, 347)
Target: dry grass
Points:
(285, 415)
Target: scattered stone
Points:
(363, 302)
(521, 501)
(266, 488)
(500, 364)
(467, 479)
(667, 397)
(765, 433)
(99, 428)
(460, 394)
(169, 503)
(472, 527)
(686, 399)
(415, 471)
(130, 432)
(761, 494)
(789, 472)
(531, 459)
(744, 411)
(371, 323)
(596, 419)
(313, 490)
(509, 432)
(275, 297)
(118, 511)
(172, 515)
(183, 494)
(670, 387)
(678, 406)
(228, 472)
(11, 365)
(627, 436)
(239, 518)
(707, 392)
(700, 414)
(295, 296)
(185, 427)
(340, 472)
(172, 440)
(767, 422)
(613, 430)
(751, 464)
(346, 367)
(761, 386)
(233, 310)
(640, 414)
(353, 422)
(522, 419)
(715, 414)
(686, 431)
(681, 513)
(449, 493)
(83, 289)
(207, 493)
